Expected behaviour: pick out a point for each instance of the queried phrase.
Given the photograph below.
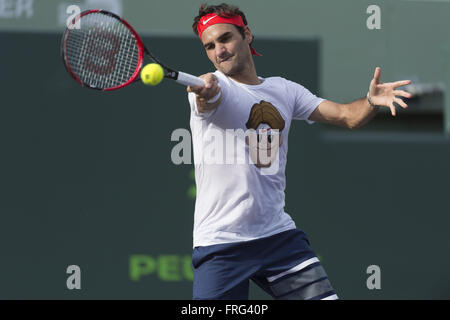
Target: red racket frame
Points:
(140, 45)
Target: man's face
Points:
(226, 48)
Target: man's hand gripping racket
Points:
(102, 51)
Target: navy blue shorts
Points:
(283, 265)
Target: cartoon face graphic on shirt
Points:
(265, 125)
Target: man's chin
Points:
(227, 71)
(227, 68)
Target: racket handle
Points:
(189, 80)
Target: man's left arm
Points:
(357, 113)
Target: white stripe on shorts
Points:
(332, 297)
(298, 267)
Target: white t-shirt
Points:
(235, 200)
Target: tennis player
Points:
(241, 230)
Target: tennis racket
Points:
(102, 51)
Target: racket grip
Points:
(189, 80)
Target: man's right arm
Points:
(210, 91)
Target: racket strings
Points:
(103, 53)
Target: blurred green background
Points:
(87, 179)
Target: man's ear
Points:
(248, 34)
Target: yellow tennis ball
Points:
(152, 74)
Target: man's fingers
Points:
(210, 89)
(211, 83)
(217, 90)
(392, 107)
(401, 102)
(210, 77)
(195, 89)
(402, 93)
(401, 83)
(209, 93)
(377, 74)
(190, 89)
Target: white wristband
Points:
(215, 98)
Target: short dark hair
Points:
(222, 10)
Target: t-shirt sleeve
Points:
(305, 102)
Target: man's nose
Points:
(220, 50)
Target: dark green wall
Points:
(86, 179)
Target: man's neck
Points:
(247, 76)
(251, 79)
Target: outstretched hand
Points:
(209, 90)
(384, 94)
